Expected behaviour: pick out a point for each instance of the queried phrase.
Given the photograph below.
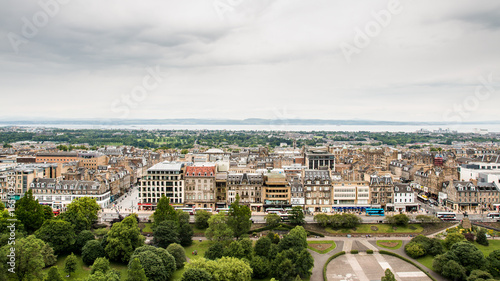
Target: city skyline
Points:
(369, 60)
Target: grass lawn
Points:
(148, 227)
(427, 261)
(381, 228)
(494, 245)
(382, 242)
(331, 243)
(197, 230)
(82, 270)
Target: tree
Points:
(453, 238)
(218, 228)
(91, 251)
(350, 220)
(49, 258)
(401, 220)
(479, 275)
(164, 211)
(304, 263)
(48, 213)
(215, 251)
(262, 246)
(389, 276)
(70, 264)
(467, 255)
(158, 264)
(82, 239)
(82, 213)
(494, 263)
(111, 275)
(235, 250)
(178, 253)
(322, 219)
(223, 269)
(275, 238)
(414, 250)
(59, 234)
(239, 218)
(28, 257)
(272, 220)
(453, 270)
(247, 246)
(427, 219)
(166, 233)
(183, 217)
(260, 267)
(53, 275)
(196, 274)
(100, 264)
(481, 237)
(283, 272)
(186, 235)
(296, 216)
(201, 219)
(295, 239)
(123, 238)
(135, 271)
(29, 212)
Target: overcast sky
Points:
(380, 60)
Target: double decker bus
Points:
(375, 212)
(222, 210)
(423, 199)
(186, 210)
(493, 215)
(446, 216)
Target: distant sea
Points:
(466, 128)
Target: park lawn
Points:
(332, 243)
(494, 245)
(83, 271)
(198, 230)
(400, 243)
(382, 228)
(427, 261)
(148, 227)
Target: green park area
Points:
(390, 244)
(321, 247)
(378, 228)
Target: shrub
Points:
(481, 237)
(369, 251)
(178, 253)
(354, 252)
(469, 236)
(414, 250)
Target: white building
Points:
(163, 179)
(351, 194)
(472, 170)
(404, 198)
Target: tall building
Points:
(248, 187)
(382, 191)
(163, 179)
(318, 190)
(276, 191)
(319, 157)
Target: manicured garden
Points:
(321, 247)
(390, 244)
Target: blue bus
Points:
(375, 212)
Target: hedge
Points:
(369, 251)
(328, 261)
(354, 252)
(408, 261)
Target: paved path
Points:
(320, 260)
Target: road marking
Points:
(384, 264)
(368, 245)
(347, 246)
(358, 270)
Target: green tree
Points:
(53, 275)
(178, 253)
(186, 235)
(91, 251)
(29, 212)
(479, 275)
(235, 250)
(453, 238)
(453, 270)
(414, 250)
(123, 238)
(481, 237)
(260, 266)
(494, 263)
(218, 228)
(239, 218)
(350, 220)
(296, 239)
(48, 213)
(201, 219)
(283, 272)
(196, 274)
(223, 269)
(111, 275)
(49, 258)
(275, 238)
(59, 234)
(82, 213)
(389, 276)
(297, 216)
(100, 264)
(158, 264)
(70, 264)
(164, 211)
(467, 255)
(82, 239)
(215, 251)
(272, 220)
(166, 233)
(401, 220)
(304, 263)
(322, 219)
(135, 271)
(263, 246)
(28, 258)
